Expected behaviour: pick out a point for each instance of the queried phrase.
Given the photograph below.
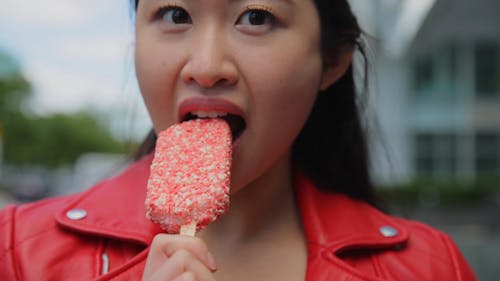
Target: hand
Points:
(179, 258)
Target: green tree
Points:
(56, 140)
(14, 88)
(49, 140)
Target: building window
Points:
(487, 153)
(451, 68)
(424, 156)
(435, 73)
(423, 78)
(436, 155)
(487, 69)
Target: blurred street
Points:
(5, 199)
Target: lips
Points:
(207, 107)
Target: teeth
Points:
(213, 114)
(208, 114)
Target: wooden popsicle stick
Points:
(188, 229)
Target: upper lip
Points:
(209, 104)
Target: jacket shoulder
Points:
(28, 220)
(434, 250)
(7, 272)
(373, 245)
(23, 223)
(44, 239)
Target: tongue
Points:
(236, 123)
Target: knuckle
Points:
(158, 239)
(165, 244)
(183, 256)
(199, 244)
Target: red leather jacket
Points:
(102, 234)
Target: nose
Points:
(209, 62)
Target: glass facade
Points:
(436, 155)
(487, 69)
(437, 87)
(487, 153)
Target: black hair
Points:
(332, 148)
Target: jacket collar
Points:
(115, 208)
(338, 222)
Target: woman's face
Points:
(256, 59)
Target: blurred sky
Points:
(79, 53)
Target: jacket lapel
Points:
(115, 208)
(334, 223)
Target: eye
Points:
(173, 15)
(256, 17)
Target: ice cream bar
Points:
(190, 175)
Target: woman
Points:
(299, 188)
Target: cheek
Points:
(296, 81)
(282, 97)
(285, 91)
(154, 76)
(289, 105)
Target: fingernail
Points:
(211, 261)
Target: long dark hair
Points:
(331, 148)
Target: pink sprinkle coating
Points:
(190, 174)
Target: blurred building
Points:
(438, 97)
(437, 100)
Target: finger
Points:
(186, 276)
(168, 244)
(164, 247)
(183, 264)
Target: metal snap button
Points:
(76, 214)
(388, 231)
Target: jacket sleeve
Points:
(7, 270)
(463, 272)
